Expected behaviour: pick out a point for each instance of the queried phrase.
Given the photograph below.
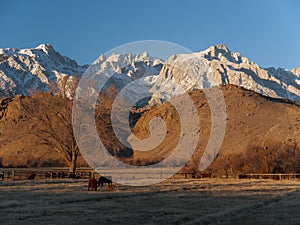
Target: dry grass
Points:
(207, 201)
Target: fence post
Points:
(13, 175)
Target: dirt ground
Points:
(206, 201)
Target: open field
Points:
(205, 201)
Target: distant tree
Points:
(225, 165)
(272, 157)
(288, 158)
(263, 156)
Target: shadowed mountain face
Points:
(251, 118)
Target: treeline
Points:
(266, 157)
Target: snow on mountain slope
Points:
(217, 65)
(126, 67)
(117, 71)
(25, 70)
(296, 71)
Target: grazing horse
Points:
(31, 176)
(104, 180)
(92, 184)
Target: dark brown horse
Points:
(92, 184)
(104, 180)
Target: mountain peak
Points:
(33, 69)
(222, 67)
(102, 57)
(221, 52)
(215, 50)
(222, 47)
(21, 70)
(47, 48)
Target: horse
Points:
(92, 184)
(104, 180)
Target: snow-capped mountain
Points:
(108, 75)
(26, 70)
(218, 65)
(124, 68)
(29, 70)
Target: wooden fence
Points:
(43, 173)
(276, 176)
(85, 173)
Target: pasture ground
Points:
(205, 201)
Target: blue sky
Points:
(265, 31)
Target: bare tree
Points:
(52, 119)
(272, 157)
(52, 125)
(262, 156)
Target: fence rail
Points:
(275, 176)
(85, 173)
(43, 173)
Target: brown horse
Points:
(92, 184)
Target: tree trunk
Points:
(72, 168)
